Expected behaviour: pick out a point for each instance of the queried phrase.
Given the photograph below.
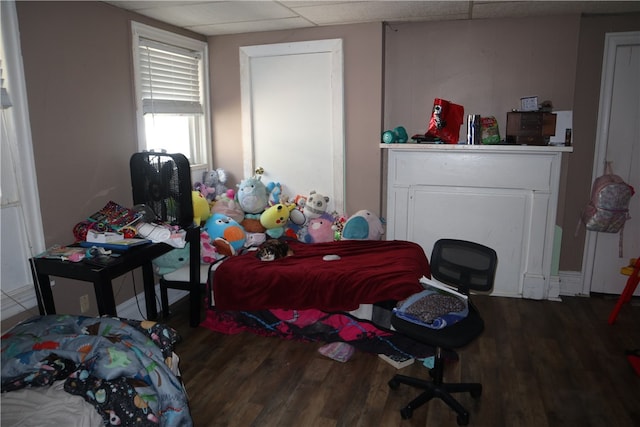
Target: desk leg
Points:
(149, 291)
(104, 297)
(42, 285)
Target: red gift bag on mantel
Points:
(445, 122)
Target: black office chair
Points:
(466, 266)
(162, 182)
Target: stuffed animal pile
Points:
(256, 212)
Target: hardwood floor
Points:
(541, 363)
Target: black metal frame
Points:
(149, 173)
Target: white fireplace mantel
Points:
(503, 196)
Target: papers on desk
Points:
(64, 253)
(102, 237)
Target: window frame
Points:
(200, 154)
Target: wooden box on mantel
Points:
(530, 127)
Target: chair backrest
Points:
(463, 264)
(162, 182)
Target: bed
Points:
(306, 297)
(91, 371)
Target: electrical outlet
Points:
(84, 303)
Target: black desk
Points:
(100, 276)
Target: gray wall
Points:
(79, 78)
(475, 64)
(363, 60)
(586, 102)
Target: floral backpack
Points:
(608, 209)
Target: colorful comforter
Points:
(121, 367)
(318, 326)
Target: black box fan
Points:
(162, 182)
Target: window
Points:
(171, 93)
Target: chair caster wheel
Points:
(393, 384)
(463, 420)
(406, 413)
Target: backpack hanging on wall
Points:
(608, 209)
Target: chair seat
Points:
(182, 274)
(453, 336)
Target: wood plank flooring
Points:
(541, 363)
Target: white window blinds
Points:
(170, 78)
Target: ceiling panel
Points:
(378, 11)
(231, 17)
(250, 27)
(220, 12)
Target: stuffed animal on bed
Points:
(227, 235)
(216, 180)
(363, 225)
(252, 195)
(228, 206)
(209, 193)
(254, 230)
(315, 205)
(208, 252)
(275, 218)
(275, 193)
(201, 209)
(320, 229)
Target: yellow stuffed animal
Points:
(275, 218)
(201, 209)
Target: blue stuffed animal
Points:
(252, 195)
(226, 234)
(363, 225)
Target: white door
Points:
(292, 112)
(618, 141)
(20, 220)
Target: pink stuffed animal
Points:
(321, 229)
(208, 252)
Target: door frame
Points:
(336, 147)
(612, 41)
(22, 229)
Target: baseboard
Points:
(135, 308)
(554, 289)
(17, 301)
(571, 283)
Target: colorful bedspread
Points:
(367, 272)
(318, 326)
(121, 367)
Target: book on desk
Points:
(117, 245)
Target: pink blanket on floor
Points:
(367, 272)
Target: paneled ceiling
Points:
(213, 18)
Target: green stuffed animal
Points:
(171, 261)
(252, 195)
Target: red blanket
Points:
(367, 272)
